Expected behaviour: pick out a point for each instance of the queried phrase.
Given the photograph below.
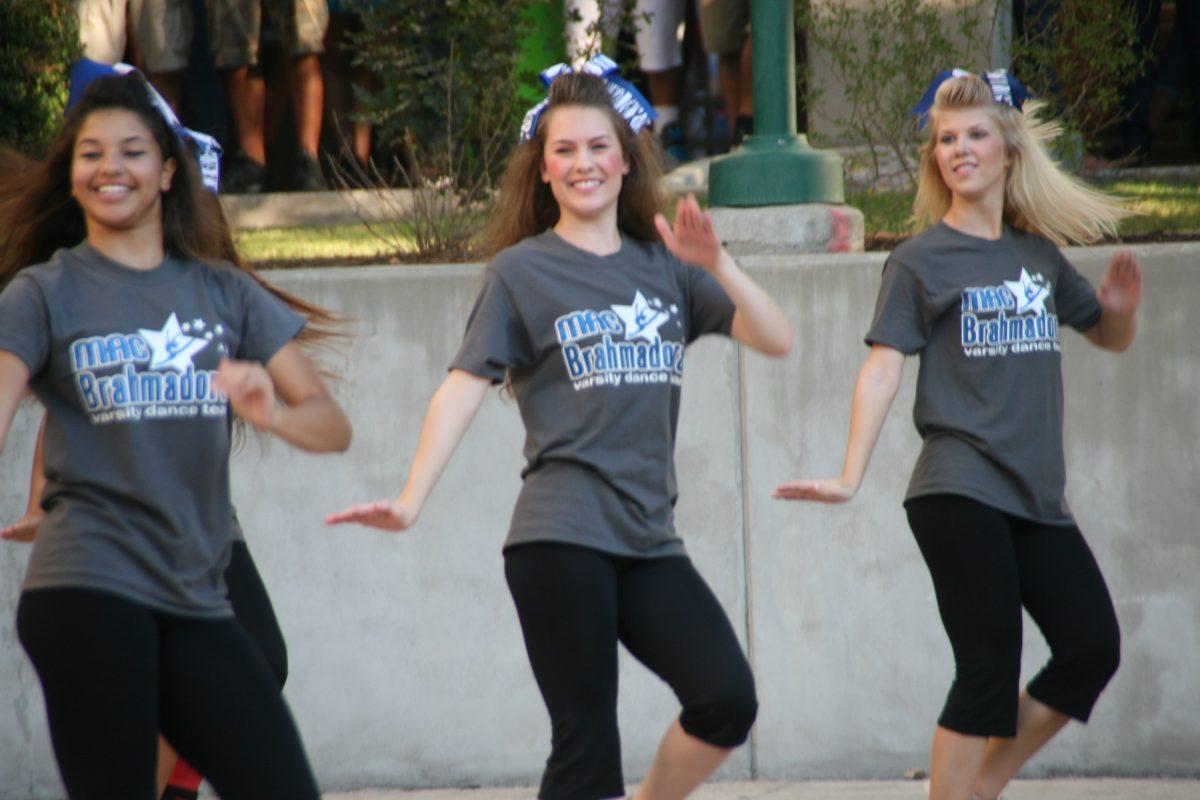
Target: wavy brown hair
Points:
(526, 206)
(38, 215)
(1038, 196)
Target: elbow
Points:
(780, 347)
(775, 344)
(343, 435)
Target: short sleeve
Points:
(1075, 300)
(267, 322)
(903, 316)
(25, 323)
(710, 309)
(495, 340)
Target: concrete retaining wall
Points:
(407, 667)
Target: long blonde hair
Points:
(1038, 196)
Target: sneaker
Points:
(673, 146)
(308, 177)
(242, 175)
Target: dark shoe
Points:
(308, 176)
(241, 174)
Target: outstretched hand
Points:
(388, 515)
(250, 390)
(692, 239)
(24, 529)
(1121, 287)
(833, 490)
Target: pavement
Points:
(1032, 789)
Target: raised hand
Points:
(833, 490)
(250, 390)
(1121, 287)
(388, 515)
(692, 239)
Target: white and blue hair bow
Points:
(206, 148)
(626, 99)
(1006, 89)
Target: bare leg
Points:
(170, 86)
(166, 764)
(745, 106)
(729, 73)
(954, 765)
(682, 762)
(308, 101)
(664, 86)
(1036, 724)
(246, 97)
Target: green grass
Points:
(1162, 207)
(1171, 209)
(299, 244)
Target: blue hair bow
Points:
(1006, 89)
(206, 148)
(627, 101)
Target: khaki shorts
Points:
(234, 26)
(723, 24)
(162, 29)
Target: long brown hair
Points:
(38, 215)
(526, 206)
(1038, 196)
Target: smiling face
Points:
(118, 173)
(971, 155)
(583, 163)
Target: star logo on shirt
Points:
(640, 319)
(1030, 291)
(171, 348)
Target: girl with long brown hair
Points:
(981, 296)
(140, 341)
(587, 305)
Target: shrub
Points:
(38, 43)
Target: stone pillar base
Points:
(803, 228)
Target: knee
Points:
(724, 716)
(1098, 656)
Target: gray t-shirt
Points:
(593, 346)
(984, 316)
(137, 440)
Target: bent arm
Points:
(758, 322)
(309, 417)
(450, 413)
(14, 377)
(25, 529)
(878, 382)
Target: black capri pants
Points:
(253, 610)
(114, 673)
(985, 566)
(575, 604)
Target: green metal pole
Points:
(775, 166)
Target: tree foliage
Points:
(38, 43)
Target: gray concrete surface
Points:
(1060, 789)
(790, 229)
(407, 668)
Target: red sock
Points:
(184, 777)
